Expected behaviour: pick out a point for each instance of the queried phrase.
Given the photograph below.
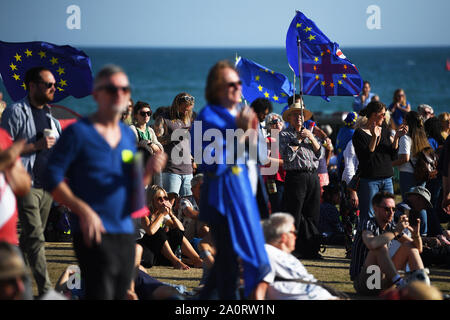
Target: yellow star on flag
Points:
(60, 89)
(260, 88)
(316, 59)
(257, 78)
(28, 53)
(16, 77)
(332, 85)
(345, 66)
(42, 54)
(60, 70)
(311, 37)
(275, 98)
(299, 25)
(13, 66)
(307, 29)
(344, 76)
(322, 83)
(62, 83)
(283, 94)
(18, 57)
(54, 60)
(339, 82)
(315, 68)
(317, 77)
(266, 94)
(321, 54)
(24, 86)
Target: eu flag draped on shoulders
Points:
(325, 70)
(70, 67)
(229, 193)
(261, 82)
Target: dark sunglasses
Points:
(161, 199)
(187, 99)
(295, 232)
(112, 89)
(388, 209)
(275, 121)
(234, 84)
(48, 85)
(145, 113)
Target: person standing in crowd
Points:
(301, 153)
(444, 118)
(425, 111)
(399, 108)
(344, 135)
(371, 248)
(96, 155)
(363, 99)
(409, 147)
(2, 104)
(177, 175)
(275, 183)
(31, 119)
(127, 116)
(262, 108)
(145, 136)
(375, 152)
(228, 200)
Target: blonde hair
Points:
(417, 133)
(174, 110)
(151, 194)
(402, 100)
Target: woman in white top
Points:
(408, 147)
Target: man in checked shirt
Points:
(301, 152)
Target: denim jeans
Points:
(178, 183)
(407, 181)
(367, 189)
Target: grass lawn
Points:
(332, 270)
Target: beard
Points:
(43, 98)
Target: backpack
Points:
(425, 168)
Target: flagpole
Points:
(300, 72)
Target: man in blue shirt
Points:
(31, 119)
(96, 155)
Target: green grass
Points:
(332, 270)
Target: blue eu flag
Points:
(325, 70)
(261, 82)
(70, 67)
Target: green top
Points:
(144, 135)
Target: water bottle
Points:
(178, 253)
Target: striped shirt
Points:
(359, 249)
(302, 158)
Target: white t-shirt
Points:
(404, 147)
(286, 266)
(351, 162)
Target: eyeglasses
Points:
(162, 199)
(48, 85)
(188, 99)
(388, 209)
(235, 85)
(294, 232)
(112, 89)
(275, 121)
(145, 113)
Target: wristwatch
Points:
(398, 236)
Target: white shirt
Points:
(286, 266)
(404, 147)
(351, 162)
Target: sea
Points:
(157, 75)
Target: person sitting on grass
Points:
(288, 278)
(164, 233)
(370, 250)
(330, 225)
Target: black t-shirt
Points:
(41, 121)
(444, 158)
(377, 164)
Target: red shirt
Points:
(8, 205)
(281, 173)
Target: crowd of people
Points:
(139, 196)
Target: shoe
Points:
(418, 275)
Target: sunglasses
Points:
(388, 209)
(275, 121)
(295, 232)
(112, 89)
(145, 113)
(188, 99)
(162, 199)
(48, 85)
(235, 85)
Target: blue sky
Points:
(217, 23)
